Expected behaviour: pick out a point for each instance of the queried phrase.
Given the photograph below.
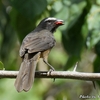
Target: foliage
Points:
(1, 66)
(77, 40)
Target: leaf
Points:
(24, 14)
(29, 8)
(21, 24)
(97, 48)
(96, 66)
(73, 38)
(93, 27)
(71, 61)
(1, 66)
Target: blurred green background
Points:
(77, 40)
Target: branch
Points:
(56, 74)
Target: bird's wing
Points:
(37, 42)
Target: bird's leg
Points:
(45, 59)
(51, 67)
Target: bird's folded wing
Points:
(37, 43)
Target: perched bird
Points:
(37, 44)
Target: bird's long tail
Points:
(26, 73)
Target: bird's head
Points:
(50, 23)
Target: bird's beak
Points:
(59, 22)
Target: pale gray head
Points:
(50, 23)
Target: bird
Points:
(37, 44)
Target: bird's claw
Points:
(49, 72)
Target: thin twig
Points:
(75, 67)
(56, 74)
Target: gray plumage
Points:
(36, 44)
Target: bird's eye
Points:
(49, 22)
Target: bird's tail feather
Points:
(26, 74)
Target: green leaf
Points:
(97, 48)
(73, 38)
(1, 66)
(24, 15)
(71, 61)
(93, 26)
(29, 8)
(96, 66)
(21, 24)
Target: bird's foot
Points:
(49, 73)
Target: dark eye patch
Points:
(49, 21)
